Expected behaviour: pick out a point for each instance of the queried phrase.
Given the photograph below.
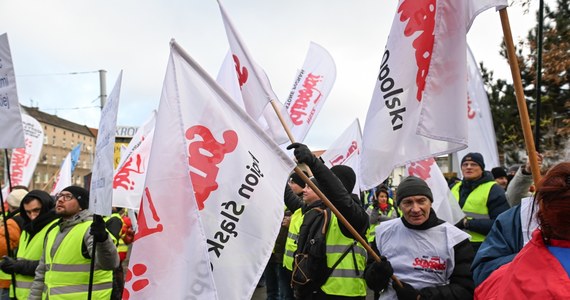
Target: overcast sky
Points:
(58, 47)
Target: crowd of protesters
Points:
(48, 243)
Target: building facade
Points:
(60, 137)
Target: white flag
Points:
(169, 226)
(444, 203)
(12, 132)
(269, 122)
(482, 137)
(312, 86)
(417, 109)
(345, 150)
(255, 87)
(24, 160)
(237, 173)
(129, 178)
(101, 192)
(63, 179)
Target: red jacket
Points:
(533, 274)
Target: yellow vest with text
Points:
(67, 275)
(292, 238)
(29, 249)
(475, 206)
(346, 279)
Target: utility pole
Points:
(103, 87)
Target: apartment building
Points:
(60, 136)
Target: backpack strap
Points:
(350, 247)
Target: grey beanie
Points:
(412, 186)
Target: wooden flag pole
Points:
(521, 103)
(280, 116)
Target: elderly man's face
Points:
(416, 209)
(471, 170)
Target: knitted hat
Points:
(413, 186)
(346, 175)
(15, 197)
(499, 172)
(81, 194)
(475, 157)
(295, 178)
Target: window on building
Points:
(46, 140)
(37, 177)
(71, 145)
(64, 132)
(63, 143)
(53, 141)
(54, 159)
(46, 177)
(54, 129)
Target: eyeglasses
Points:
(65, 197)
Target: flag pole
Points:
(4, 218)
(341, 218)
(519, 92)
(282, 120)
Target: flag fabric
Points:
(345, 150)
(168, 222)
(130, 175)
(417, 111)
(482, 136)
(75, 153)
(12, 134)
(444, 203)
(63, 178)
(255, 87)
(269, 122)
(101, 192)
(237, 174)
(312, 86)
(23, 161)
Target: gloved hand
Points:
(98, 229)
(377, 274)
(8, 265)
(461, 224)
(303, 154)
(407, 292)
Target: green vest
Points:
(370, 233)
(292, 237)
(475, 206)
(346, 279)
(67, 275)
(29, 249)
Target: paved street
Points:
(259, 294)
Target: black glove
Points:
(461, 224)
(303, 154)
(377, 274)
(8, 265)
(98, 229)
(407, 292)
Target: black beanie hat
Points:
(474, 157)
(295, 178)
(346, 175)
(81, 194)
(499, 172)
(412, 186)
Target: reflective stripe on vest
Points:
(345, 280)
(475, 206)
(292, 237)
(67, 273)
(29, 249)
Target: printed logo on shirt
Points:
(430, 264)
